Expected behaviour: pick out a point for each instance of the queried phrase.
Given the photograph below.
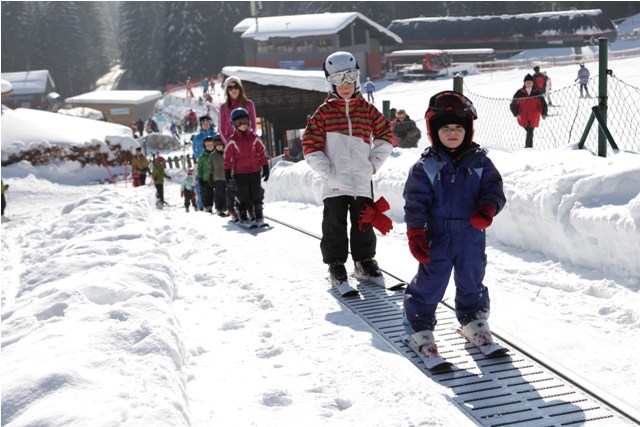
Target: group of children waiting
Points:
(230, 163)
(451, 195)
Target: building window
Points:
(324, 45)
(265, 47)
(283, 47)
(304, 46)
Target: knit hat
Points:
(232, 79)
(528, 77)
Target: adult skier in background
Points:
(528, 105)
(451, 196)
(583, 78)
(346, 141)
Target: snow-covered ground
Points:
(118, 314)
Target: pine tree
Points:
(93, 40)
(142, 27)
(15, 53)
(188, 50)
(59, 45)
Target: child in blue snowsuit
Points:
(451, 196)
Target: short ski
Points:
(381, 283)
(490, 350)
(344, 288)
(435, 363)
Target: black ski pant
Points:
(230, 196)
(335, 239)
(4, 204)
(220, 195)
(206, 192)
(160, 192)
(528, 143)
(249, 193)
(189, 198)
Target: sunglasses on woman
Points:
(233, 87)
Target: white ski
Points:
(432, 362)
(344, 288)
(491, 349)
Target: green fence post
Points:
(386, 106)
(602, 94)
(458, 83)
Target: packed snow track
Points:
(518, 388)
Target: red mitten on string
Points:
(373, 216)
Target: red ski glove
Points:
(182, 194)
(482, 217)
(373, 216)
(418, 245)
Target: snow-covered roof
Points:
(299, 79)
(294, 26)
(24, 129)
(28, 82)
(487, 17)
(116, 97)
(7, 87)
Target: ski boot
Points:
(477, 332)
(368, 271)
(424, 345)
(339, 280)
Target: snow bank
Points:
(586, 212)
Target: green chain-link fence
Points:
(567, 118)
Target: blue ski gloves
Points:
(418, 245)
(482, 217)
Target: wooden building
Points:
(30, 89)
(119, 106)
(303, 42)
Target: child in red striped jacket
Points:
(346, 142)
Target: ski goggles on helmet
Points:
(453, 102)
(343, 77)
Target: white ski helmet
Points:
(339, 61)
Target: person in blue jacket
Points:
(197, 145)
(451, 195)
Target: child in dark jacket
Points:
(451, 196)
(245, 160)
(216, 176)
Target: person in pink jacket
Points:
(234, 98)
(246, 161)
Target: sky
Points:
(115, 313)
